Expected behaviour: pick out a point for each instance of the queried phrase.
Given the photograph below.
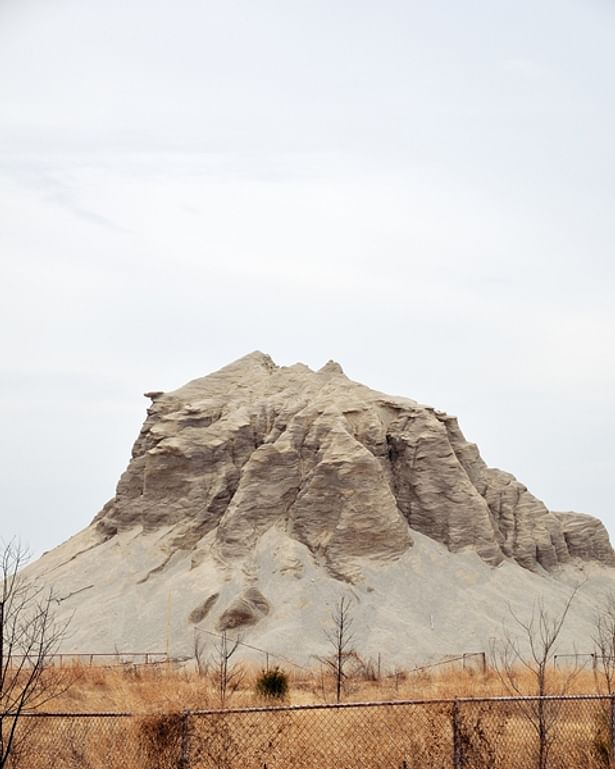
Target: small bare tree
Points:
(227, 676)
(604, 675)
(341, 638)
(532, 649)
(202, 666)
(29, 637)
(604, 642)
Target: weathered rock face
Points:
(586, 537)
(346, 471)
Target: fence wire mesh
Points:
(101, 741)
(495, 733)
(371, 735)
(551, 733)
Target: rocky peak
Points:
(345, 470)
(332, 368)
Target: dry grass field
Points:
(490, 735)
(165, 689)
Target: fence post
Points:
(184, 745)
(456, 736)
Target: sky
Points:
(424, 192)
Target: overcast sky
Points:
(424, 192)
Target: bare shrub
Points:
(162, 736)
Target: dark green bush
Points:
(272, 684)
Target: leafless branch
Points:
(604, 641)
(202, 665)
(29, 637)
(341, 639)
(532, 649)
(227, 677)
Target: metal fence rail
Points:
(106, 659)
(571, 732)
(476, 661)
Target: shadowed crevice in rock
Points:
(200, 612)
(247, 609)
(156, 570)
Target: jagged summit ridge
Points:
(342, 469)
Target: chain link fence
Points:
(84, 741)
(572, 732)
